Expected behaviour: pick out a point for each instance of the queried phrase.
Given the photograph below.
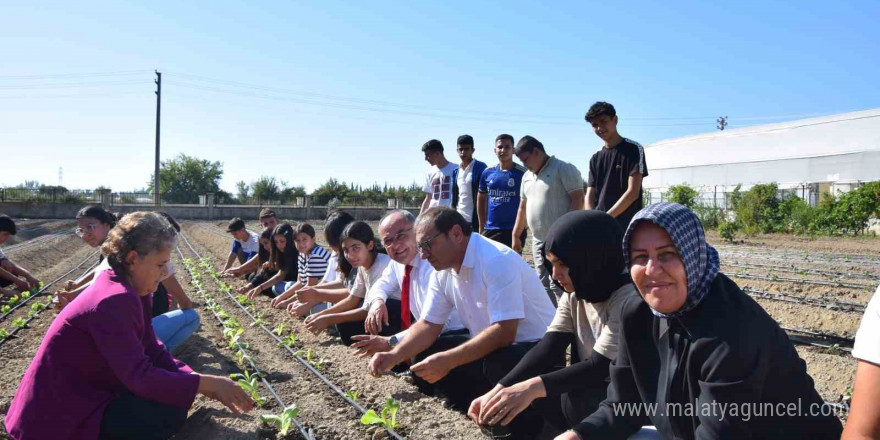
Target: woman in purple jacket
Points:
(99, 372)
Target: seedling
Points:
(5, 309)
(38, 307)
(13, 301)
(352, 394)
(279, 329)
(248, 382)
(242, 359)
(19, 322)
(234, 335)
(25, 295)
(3, 334)
(31, 314)
(35, 289)
(242, 299)
(258, 320)
(223, 315)
(312, 359)
(388, 417)
(283, 421)
(289, 341)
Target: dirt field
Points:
(821, 283)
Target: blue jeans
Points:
(174, 327)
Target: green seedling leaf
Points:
(257, 322)
(289, 341)
(31, 314)
(19, 322)
(13, 301)
(371, 418)
(279, 329)
(25, 295)
(282, 422)
(352, 394)
(3, 333)
(5, 309)
(38, 307)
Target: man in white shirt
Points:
(467, 181)
(499, 298)
(384, 300)
(440, 182)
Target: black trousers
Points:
(129, 417)
(160, 301)
(349, 329)
(467, 382)
(503, 236)
(567, 410)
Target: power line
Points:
(71, 85)
(73, 75)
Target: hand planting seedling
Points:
(279, 329)
(35, 289)
(19, 322)
(283, 421)
(352, 394)
(289, 341)
(248, 382)
(388, 418)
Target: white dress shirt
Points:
(388, 286)
(494, 284)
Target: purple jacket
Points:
(99, 346)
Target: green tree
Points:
(266, 188)
(184, 178)
(289, 194)
(243, 190)
(331, 189)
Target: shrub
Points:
(728, 230)
(757, 211)
(683, 195)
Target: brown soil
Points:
(841, 245)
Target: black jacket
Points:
(727, 350)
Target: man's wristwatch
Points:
(392, 341)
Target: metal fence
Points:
(49, 195)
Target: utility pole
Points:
(158, 82)
(722, 122)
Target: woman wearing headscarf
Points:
(698, 358)
(584, 248)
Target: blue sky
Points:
(305, 91)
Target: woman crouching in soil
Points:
(99, 372)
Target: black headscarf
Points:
(588, 242)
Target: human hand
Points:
(382, 362)
(253, 292)
(368, 345)
(433, 367)
(32, 282)
(307, 294)
(318, 324)
(69, 285)
(479, 403)
(508, 402)
(517, 244)
(568, 435)
(226, 392)
(244, 289)
(299, 309)
(377, 315)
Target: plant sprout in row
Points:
(5, 309)
(352, 394)
(289, 341)
(3, 334)
(19, 322)
(248, 382)
(36, 289)
(388, 417)
(13, 301)
(283, 421)
(279, 329)
(25, 295)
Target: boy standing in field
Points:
(498, 200)
(440, 181)
(616, 171)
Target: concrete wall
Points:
(188, 212)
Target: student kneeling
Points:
(500, 300)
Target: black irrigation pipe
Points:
(302, 430)
(798, 280)
(36, 313)
(801, 271)
(811, 337)
(806, 300)
(302, 361)
(35, 241)
(46, 286)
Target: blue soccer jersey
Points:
(502, 189)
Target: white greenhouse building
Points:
(808, 156)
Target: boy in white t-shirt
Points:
(440, 186)
(245, 243)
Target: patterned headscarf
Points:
(701, 263)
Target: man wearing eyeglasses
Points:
(500, 301)
(397, 299)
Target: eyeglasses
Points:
(425, 245)
(389, 241)
(89, 228)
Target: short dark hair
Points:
(444, 219)
(7, 224)
(504, 136)
(304, 228)
(236, 224)
(432, 146)
(266, 213)
(527, 144)
(465, 139)
(600, 108)
(98, 213)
